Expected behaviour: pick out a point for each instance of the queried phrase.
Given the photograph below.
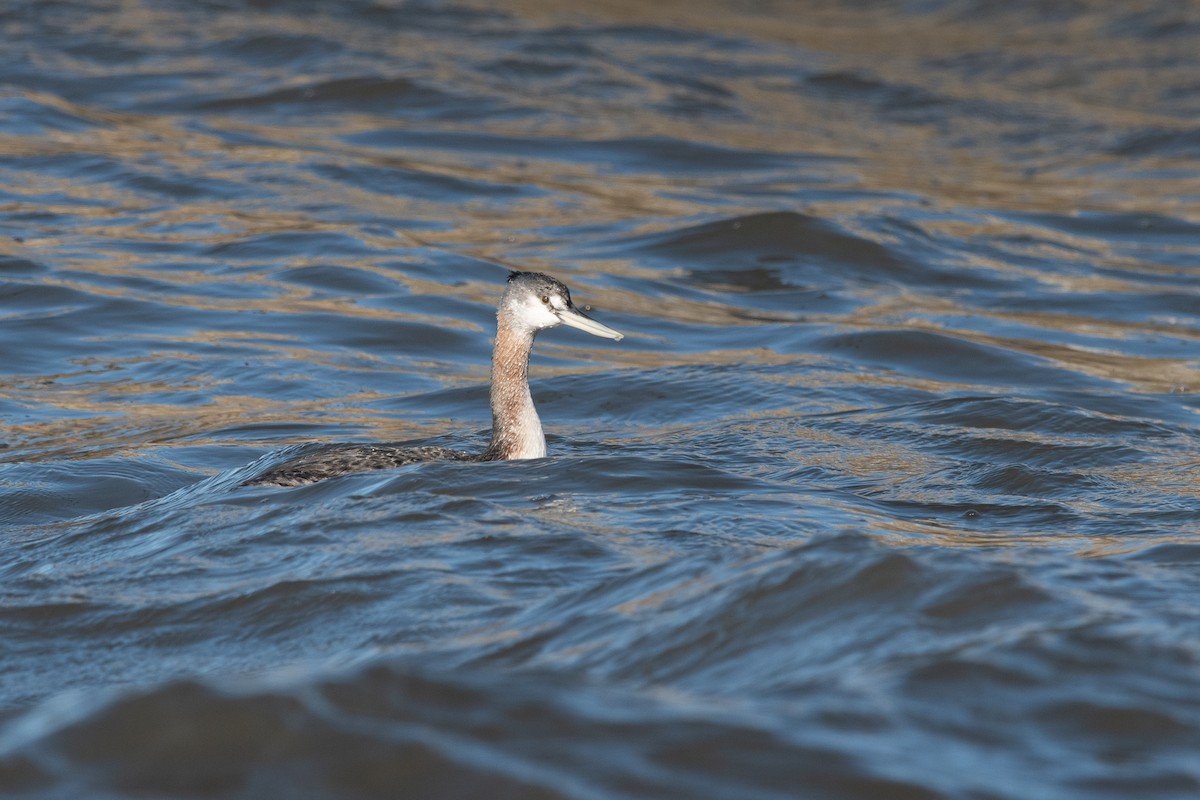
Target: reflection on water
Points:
(890, 490)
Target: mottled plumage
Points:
(531, 302)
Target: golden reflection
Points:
(160, 203)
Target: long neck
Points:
(516, 428)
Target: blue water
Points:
(891, 490)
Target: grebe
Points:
(532, 302)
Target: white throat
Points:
(516, 427)
(528, 441)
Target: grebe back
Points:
(532, 302)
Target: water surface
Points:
(891, 489)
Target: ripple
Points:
(936, 355)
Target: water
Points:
(891, 489)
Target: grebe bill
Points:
(531, 303)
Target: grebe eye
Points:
(546, 299)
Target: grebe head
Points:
(533, 302)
